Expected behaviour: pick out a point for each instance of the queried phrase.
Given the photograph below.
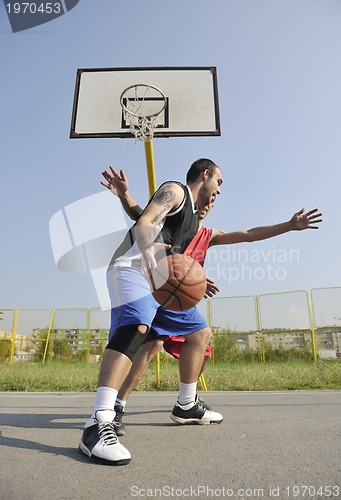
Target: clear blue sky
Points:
(279, 76)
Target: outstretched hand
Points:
(307, 220)
(118, 183)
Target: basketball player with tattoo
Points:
(169, 222)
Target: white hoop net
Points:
(142, 104)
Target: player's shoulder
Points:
(169, 192)
(215, 233)
(174, 185)
(205, 230)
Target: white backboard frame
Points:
(192, 101)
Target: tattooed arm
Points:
(168, 197)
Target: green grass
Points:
(81, 377)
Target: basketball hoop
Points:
(142, 104)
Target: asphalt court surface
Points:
(270, 445)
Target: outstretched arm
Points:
(299, 221)
(118, 184)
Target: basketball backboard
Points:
(192, 107)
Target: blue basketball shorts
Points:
(133, 304)
(176, 323)
(131, 300)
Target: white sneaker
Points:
(100, 442)
(198, 414)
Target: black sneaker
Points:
(100, 442)
(118, 424)
(202, 403)
(195, 415)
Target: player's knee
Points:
(208, 333)
(157, 346)
(205, 335)
(200, 337)
(142, 329)
(127, 339)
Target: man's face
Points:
(204, 211)
(210, 188)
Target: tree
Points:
(62, 349)
(5, 349)
(40, 339)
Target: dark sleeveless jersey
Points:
(178, 228)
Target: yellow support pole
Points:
(158, 369)
(203, 382)
(312, 324)
(261, 352)
(149, 154)
(209, 321)
(209, 312)
(51, 327)
(14, 335)
(88, 332)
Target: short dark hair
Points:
(200, 166)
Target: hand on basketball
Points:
(211, 289)
(148, 257)
(179, 282)
(115, 182)
(307, 220)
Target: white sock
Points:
(105, 399)
(121, 403)
(187, 395)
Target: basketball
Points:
(178, 282)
